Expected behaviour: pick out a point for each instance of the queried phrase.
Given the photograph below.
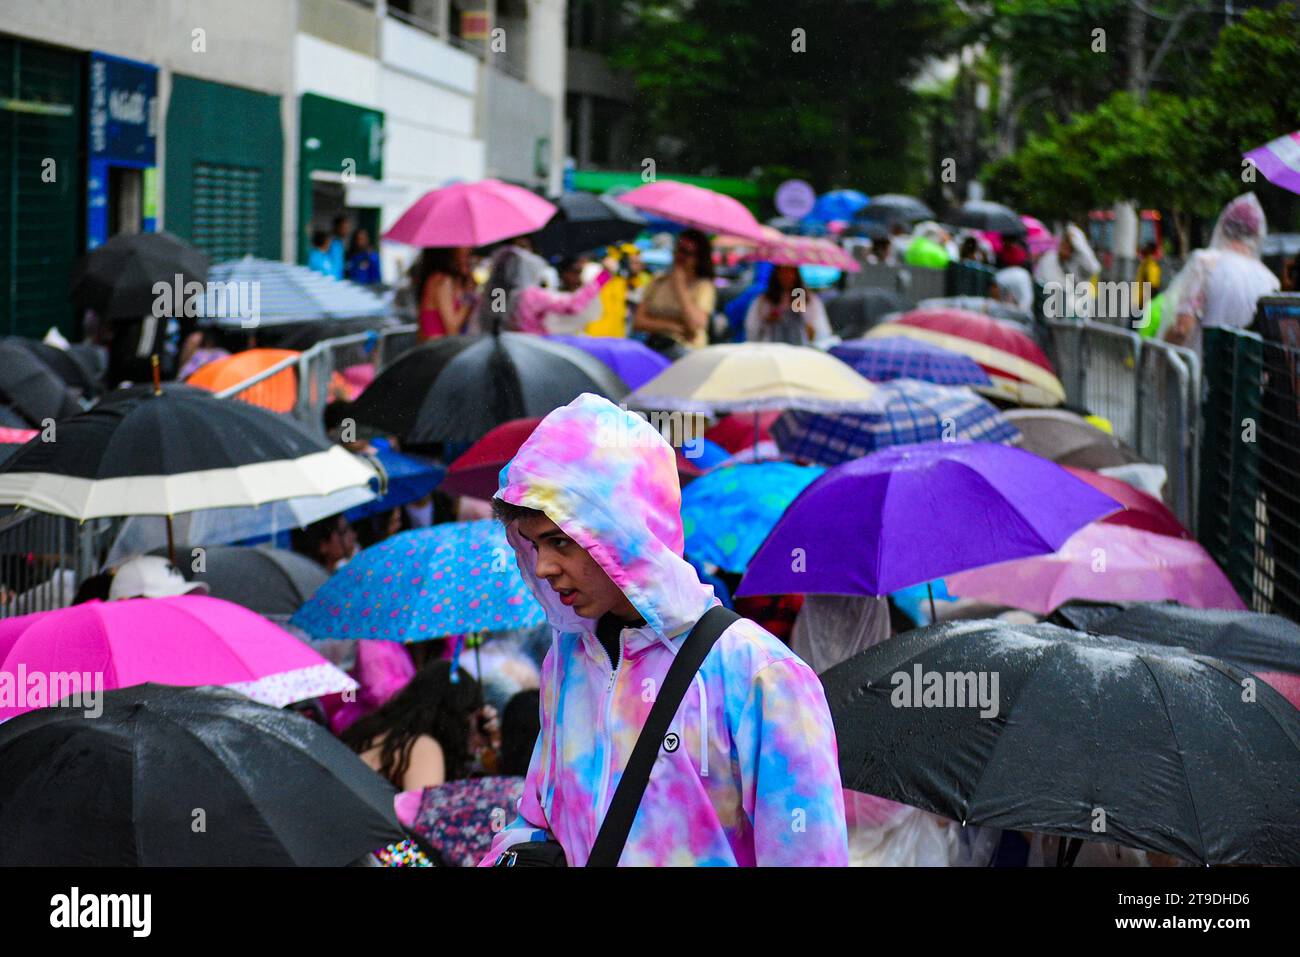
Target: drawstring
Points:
(704, 726)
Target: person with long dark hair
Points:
(787, 311)
(679, 304)
(444, 290)
(428, 733)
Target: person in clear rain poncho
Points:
(1221, 283)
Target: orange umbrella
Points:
(277, 393)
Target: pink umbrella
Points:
(1102, 562)
(187, 640)
(1038, 237)
(695, 206)
(471, 214)
(782, 250)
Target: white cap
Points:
(151, 576)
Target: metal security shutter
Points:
(227, 221)
(40, 220)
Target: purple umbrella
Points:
(633, 361)
(897, 357)
(910, 514)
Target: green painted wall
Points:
(224, 168)
(335, 137)
(597, 181)
(42, 204)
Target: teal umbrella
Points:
(450, 579)
(728, 512)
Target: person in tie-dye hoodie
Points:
(748, 774)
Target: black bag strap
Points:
(618, 820)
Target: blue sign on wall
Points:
(123, 118)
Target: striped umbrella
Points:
(909, 412)
(1019, 369)
(898, 357)
(782, 250)
(249, 293)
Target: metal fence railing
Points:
(1250, 460)
(1148, 391)
(45, 558)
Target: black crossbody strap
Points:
(631, 786)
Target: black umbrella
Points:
(72, 367)
(174, 450)
(10, 418)
(1248, 639)
(117, 279)
(1083, 736)
(853, 313)
(270, 581)
(456, 389)
(586, 221)
(894, 208)
(990, 217)
(185, 777)
(31, 387)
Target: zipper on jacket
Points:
(607, 740)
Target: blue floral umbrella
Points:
(450, 579)
(908, 412)
(728, 512)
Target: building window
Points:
(226, 210)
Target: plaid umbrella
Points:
(897, 357)
(909, 412)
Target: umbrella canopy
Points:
(274, 582)
(471, 214)
(1037, 236)
(906, 412)
(1141, 511)
(1268, 645)
(1069, 439)
(278, 393)
(117, 279)
(219, 526)
(286, 293)
(754, 377)
(913, 513)
(73, 366)
(1279, 161)
(406, 479)
(121, 789)
(186, 640)
(782, 250)
(450, 579)
(632, 360)
(141, 453)
(838, 204)
(455, 389)
(12, 439)
(898, 357)
(586, 221)
(727, 513)
(984, 215)
(1157, 738)
(1103, 563)
(895, 207)
(32, 387)
(735, 433)
(695, 206)
(990, 307)
(1019, 369)
(477, 472)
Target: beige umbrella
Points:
(755, 377)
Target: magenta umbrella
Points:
(471, 214)
(695, 206)
(1038, 237)
(188, 640)
(912, 513)
(1103, 562)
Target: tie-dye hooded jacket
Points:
(754, 777)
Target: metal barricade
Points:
(1110, 377)
(395, 342)
(1168, 431)
(45, 558)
